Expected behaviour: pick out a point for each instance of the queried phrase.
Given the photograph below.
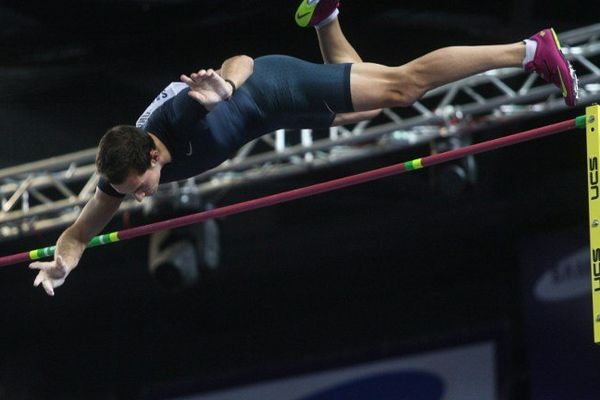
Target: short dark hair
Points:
(123, 149)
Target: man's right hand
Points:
(72, 242)
(52, 274)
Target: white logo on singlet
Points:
(189, 153)
(170, 91)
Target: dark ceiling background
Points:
(365, 272)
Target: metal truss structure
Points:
(49, 194)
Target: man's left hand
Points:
(207, 87)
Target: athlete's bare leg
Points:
(375, 86)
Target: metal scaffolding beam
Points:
(49, 194)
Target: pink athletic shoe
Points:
(550, 63)
(311, 12)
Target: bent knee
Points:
(404, 89)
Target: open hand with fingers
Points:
(207, 87)
(52, 274)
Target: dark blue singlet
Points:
(282, 92)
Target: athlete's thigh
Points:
(373, 86)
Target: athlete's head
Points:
(128, 159)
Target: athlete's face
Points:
(140, 186)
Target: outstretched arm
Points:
(73, 241)
(209, 87)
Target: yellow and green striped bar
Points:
(592, 119)
(41, 253)
(414, 164)
(96, 241)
